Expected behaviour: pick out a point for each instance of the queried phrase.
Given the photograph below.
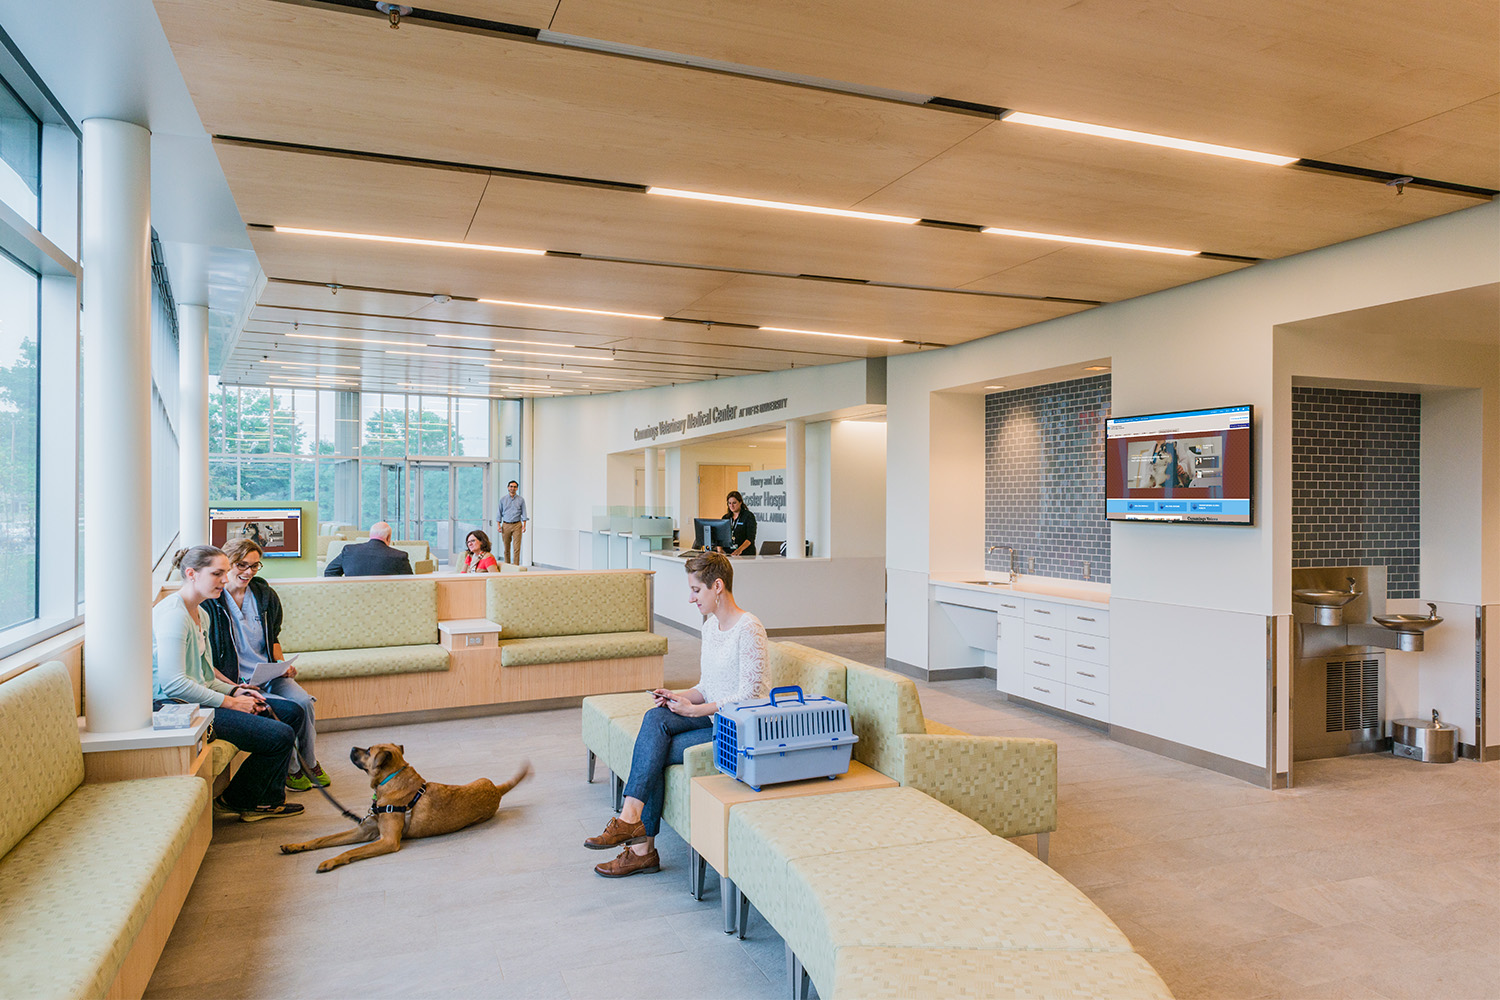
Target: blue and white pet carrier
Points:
(768, 742)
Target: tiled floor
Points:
(1376, 878)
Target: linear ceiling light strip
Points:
(948, 105)
(373, 238)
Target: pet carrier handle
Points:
(789, 689)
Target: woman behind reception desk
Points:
(741, 525)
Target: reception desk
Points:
(787, 595)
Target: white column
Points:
(116, 259)
(192, 424)
(796, 488)
(653, 495)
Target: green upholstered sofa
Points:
(572, 617)
(92, 876)
(360, 643)
(954, 911)
(1007, 785)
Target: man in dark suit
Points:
(372, 558)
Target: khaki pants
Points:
(511, 531)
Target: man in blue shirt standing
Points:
(512, 518)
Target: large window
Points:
(19, 419)
(40, 394)
(420, 462)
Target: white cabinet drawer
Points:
(1044, 691)
(1089, 621)
(1053, 668)
(1088, 647)
(1052, 640)
(1090, 704)
(1088, 676)
(1011, 607)
(1047, 613)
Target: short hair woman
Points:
(733, 669)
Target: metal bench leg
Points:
(728, 892)
(796, 976)
(696, 867)
(592, 759)
(1042, 845)
(619, 790)
(742, 918)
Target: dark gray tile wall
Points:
(1044, 478)
(1356, 482)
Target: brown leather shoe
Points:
(617, 834)
(629, 863)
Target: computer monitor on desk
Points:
(712, 533)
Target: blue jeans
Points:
(663, 737)
(285, 687)
(261, 779)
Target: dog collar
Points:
(388, 777)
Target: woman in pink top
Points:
(478, 558)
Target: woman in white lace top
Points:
(734, 669)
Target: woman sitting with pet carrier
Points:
(244, 633)
(182, 670)
(733, 670)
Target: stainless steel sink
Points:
(986, 583)
(1410, 623)
(1325, 598)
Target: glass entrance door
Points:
(448, 501)
(382, 494)
(431, 506)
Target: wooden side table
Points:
(148, 753)
(468, 633)
(712, 797)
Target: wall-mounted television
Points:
(1190, 467)
(278, 530)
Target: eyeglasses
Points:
(245, 567)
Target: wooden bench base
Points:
(140, 962)
(475, 677)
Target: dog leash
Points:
(307, 769)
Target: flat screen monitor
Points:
(278, 530)
(711, 533)
(1192, 467)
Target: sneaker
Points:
(321, 776)
(298, 781)
(617, 833)
(222, 810)
(259, 813)
(630, 863)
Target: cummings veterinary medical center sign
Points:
(705, 417)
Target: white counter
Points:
(783, 593)
(1062, 591)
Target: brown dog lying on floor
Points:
(406, 806)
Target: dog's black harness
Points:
(376, 810)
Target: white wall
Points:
(1205, 344)
(571, 472)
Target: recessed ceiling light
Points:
(1028, 235)
(820, 333)
(571, 309)
(354, 340)
(538, 368)
(994, 387)
(1096, 368)
(1148, 138)
(373, 238)
(784, 206)
(296, 364)
(501, 340)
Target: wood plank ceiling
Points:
(539, 125)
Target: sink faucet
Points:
(1014, 576)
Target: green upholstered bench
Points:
(358, 640)
(572, 617)
(92, 876)
(945, 885)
